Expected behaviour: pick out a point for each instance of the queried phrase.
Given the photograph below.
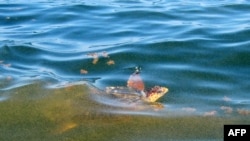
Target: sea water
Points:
(56, 55)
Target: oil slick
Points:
(96, 56)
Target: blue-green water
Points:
(200, 50)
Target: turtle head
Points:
(155, 93)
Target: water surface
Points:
(48, 52)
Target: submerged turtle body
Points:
(133, 95)
(135, 90)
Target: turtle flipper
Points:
(135, 81)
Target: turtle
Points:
(132, 95)
(135, 90)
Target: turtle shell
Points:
(124, 93)
(134, 95)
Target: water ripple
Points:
(200, 50)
